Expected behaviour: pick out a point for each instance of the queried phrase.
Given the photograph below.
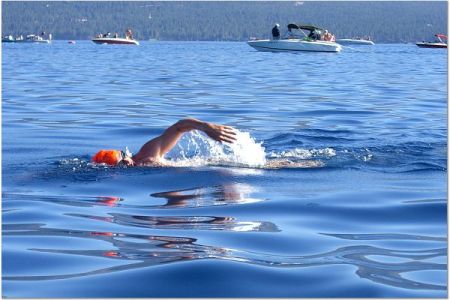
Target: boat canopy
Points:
(442, 36)
(304, 27)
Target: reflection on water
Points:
(148, 250)
(208, 196)
(227, 194)
(80, 201)
(184, 222)
(133, 251)
(386, 236)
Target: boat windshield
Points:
(440, 38)
(304, 31)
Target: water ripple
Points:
(149, 250)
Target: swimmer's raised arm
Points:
(154, 150)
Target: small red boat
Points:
(440, 42)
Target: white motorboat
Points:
(438, 43)
(294, 45)
(308, 42)
(354, 42)
(115, 41)
(31, 38)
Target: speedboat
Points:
(115, 41)
(31, 38)
(354, 42)
(294, 45)
(438, 43)
(293, 42)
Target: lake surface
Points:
(366, 215)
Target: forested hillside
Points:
(385, 22)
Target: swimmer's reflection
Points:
(198, 197)
(184, 222)
(79, 201)
(226, 194)
(108, 200)
(140, 251)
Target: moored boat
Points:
(31, 38)
(8, 39)
(311, 42)
(355, 41)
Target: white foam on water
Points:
(196, 149)
(300, 153)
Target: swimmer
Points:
(152, 153)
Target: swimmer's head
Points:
(112, 158)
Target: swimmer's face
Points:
(127, 161)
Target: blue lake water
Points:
(365, 217)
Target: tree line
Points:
(383, 21)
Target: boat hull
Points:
(431, 45)
(115, 41)
(27, 41)
(293, 45)
(354, 42)
(35, 42)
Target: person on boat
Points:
(276, 32)
(129, 34)
(314, 35)
(327, 36)
(152, 152)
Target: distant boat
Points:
(109, 39)
(71, 42)
(31, 38)
(438, 43)
(8, 39)
(115, 41)
(355, 42)
(297, 43)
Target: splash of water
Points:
(196, 149)
(304, 153)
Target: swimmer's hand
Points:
(220, 133)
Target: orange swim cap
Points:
(109, 157)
